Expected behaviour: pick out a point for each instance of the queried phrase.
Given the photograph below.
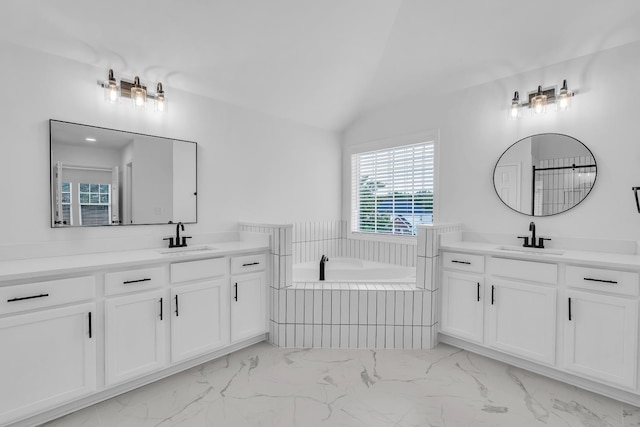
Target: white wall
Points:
(474, 131)
(251, 166)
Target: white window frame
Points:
(381, 144)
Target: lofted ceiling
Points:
(319, 62)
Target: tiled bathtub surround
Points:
(352, 315)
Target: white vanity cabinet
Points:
(248, 298)
(601, 330)
(199, 307)
(500, 310)
(134, 323)
(463, 305)
(545, 312)
(521, 319)
(48, 345)
(521, 308)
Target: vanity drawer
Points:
(201, 269)
(598, 279)
(525, 270)
(121, 282)
(248, 263)
(463, 262)
(30, 296)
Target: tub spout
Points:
(323, 261)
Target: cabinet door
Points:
(135, 334)
(521, 320)
(199, 318)
(601, 337)
(248, 306)
(47, 358)
(462, 305)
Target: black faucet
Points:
(178, 243)
(323, 261)
(533, 244)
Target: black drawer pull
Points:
(461, 262)
(24, 298)
(600, 280)
(90, 327)
(251, 263)
(136, 281)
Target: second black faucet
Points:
(533, 244)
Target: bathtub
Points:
(353, 270)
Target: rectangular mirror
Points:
(110, 177)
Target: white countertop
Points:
(37, 267)
(589, 258)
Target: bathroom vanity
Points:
(76, 330)
(568, 314)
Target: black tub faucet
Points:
(323, 261)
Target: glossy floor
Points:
(268, 386)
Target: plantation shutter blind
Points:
(392, 189)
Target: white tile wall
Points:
(352, 315)
(311, 240)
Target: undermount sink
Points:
(187, 251)
(531, 251)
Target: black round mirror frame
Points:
(572, 167)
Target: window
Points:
(66, 203)
(392, 189)
(94, 204)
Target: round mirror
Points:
(544, 174)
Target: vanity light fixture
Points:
(541, 99)
(134, 90)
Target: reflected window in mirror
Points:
(545, 174)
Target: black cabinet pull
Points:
(478, 291)
(90, 328)
(461, 262)
(493, 288)
(177, 313)
(589, 279)
(161, 308)
(236, 286)
(136, 281)
(569, 309)
(24, 298)
(250, 263)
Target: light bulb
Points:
(539, 102)
(514, 111)
(564, 97)
(160, 100)
(138, 94)
(111, 89)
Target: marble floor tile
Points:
(264, 385)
